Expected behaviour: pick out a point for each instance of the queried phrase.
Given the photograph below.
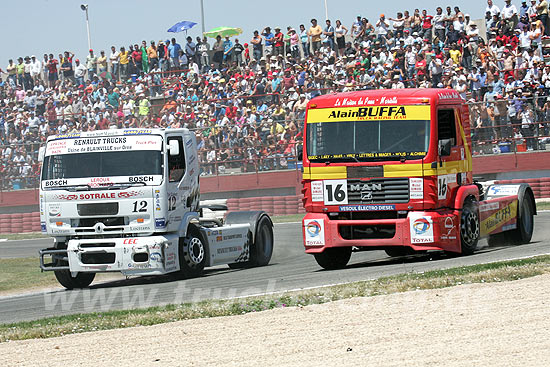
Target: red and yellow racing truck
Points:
(392, 170)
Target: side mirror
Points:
(41, 153)
(445, 147)
(173, 147)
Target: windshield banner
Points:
(369, 113)
(104, 144)
(95, 182)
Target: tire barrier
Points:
(20, 222)
(273, 205)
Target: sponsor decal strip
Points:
(103, 144)
(359, 208)
(500, 218)
(368, 113)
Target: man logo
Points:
(313, 228)
(421, 226)
(366, 195)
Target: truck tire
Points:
(262, 248)
(469, 227)
(333, 258)
(64, 277)
(192, 253)
(525, 223)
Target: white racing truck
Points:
(128, 201)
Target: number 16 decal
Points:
(335, 192)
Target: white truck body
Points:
(125, 200)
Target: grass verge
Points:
(543, 205)
(485, 273)
(287, 218)
(22, 236)
(22, 274)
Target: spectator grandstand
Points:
(246, 100)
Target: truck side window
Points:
(176, 163)
(446, 127)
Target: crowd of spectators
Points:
(246, 100)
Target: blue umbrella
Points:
(182, 26)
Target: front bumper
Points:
(419, 231)
(154, 255)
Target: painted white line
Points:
(27, 239)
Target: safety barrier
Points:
(20, 222)
(273, 205)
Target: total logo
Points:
(313, 228)
(421, 226)
(314, 232)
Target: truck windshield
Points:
(111, 164)
(103, 161)
(372, 140)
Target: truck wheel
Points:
(334, 258)
(64, 277)
(469, 227)
(525, 223)
(192, 253)
(262, 248)
(399, 251)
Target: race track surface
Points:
(290, 268)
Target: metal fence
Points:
(510, 125)
(499, 126)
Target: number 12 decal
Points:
(335, 192)
(140, 206)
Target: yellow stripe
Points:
(390, 170)
(325, 173)
(447, 168)
(468, 154)
(403, 170)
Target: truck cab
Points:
(391, 170)
(128, 200)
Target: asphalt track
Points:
(290, 269)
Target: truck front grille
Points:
(85, 210)
(378, 191)
(107, 221)
(366, 232)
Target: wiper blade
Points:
(80, 187)
(337, 160)
(119, 185)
